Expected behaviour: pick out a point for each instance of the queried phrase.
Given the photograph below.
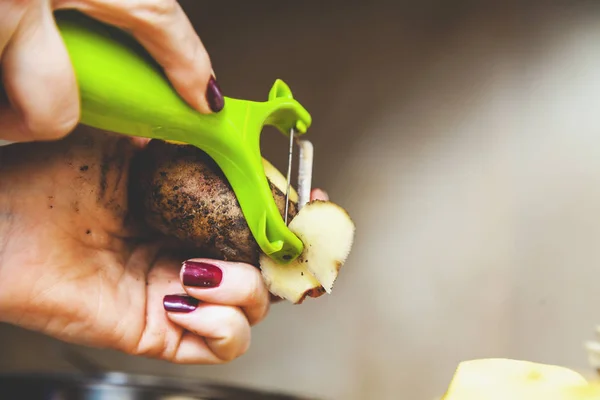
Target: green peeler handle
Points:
(124, 91)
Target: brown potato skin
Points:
(185, 195)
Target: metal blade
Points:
(289, 173)
(304, 172)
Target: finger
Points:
(194, 349)
(11, 13)
(176, 328)
(319, 194)
(227, 283)
(162, 27)
(39, 81)
(225, 329)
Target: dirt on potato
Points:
(182, 193)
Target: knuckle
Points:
(23, 3)
(152, 13)
(233, 351)
(260, 314)
(253, 289)
(256, 293)
(199, 56)
(192, 63)
(229, 322)
(162, 7)
(153, 344)
(234, 337)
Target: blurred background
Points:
(463, 138)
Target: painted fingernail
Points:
(179, 303)
(198, 274)
(213, 95)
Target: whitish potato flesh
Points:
(291, 282)
(278, 180)
(327, 232)
(503, 379)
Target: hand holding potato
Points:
(75, 264)
(79, 262)
(41, 96)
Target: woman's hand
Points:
(76, 266)
(42, 101)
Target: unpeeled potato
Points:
(184, 195)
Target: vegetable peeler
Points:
(123, 90)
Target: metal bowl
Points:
(122, 386)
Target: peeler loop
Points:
(284, 112)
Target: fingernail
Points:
(198, 274)
(213, 95)
(179, 303)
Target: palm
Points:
(73, 255)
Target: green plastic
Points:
(124, 91)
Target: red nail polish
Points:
(198, 274)
(179, 303)
(213, 95)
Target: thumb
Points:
(39, 81)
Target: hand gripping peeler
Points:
(123, 90)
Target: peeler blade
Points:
(289, 173)
(305, 166)
(304, 172)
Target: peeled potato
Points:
(505, 379)
(327, 233)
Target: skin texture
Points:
(75, 262)
(40, 99)
(186, 196)
(76, 265)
